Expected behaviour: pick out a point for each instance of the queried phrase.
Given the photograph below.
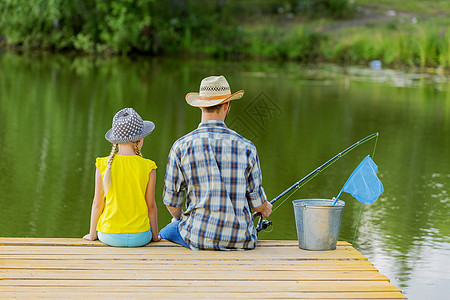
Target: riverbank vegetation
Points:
(416, 33)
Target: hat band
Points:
(214, 97)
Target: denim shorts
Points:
(125, 239)
(172, 233)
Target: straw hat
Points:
(214, 90)
(127, 127)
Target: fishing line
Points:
(285, 199)
(299, 186)
(375, 147)
(361, 205)
(357, 223)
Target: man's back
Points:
(220, 173)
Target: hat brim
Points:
(146, 130)
(193, 99)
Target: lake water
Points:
(55, 111)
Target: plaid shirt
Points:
(219, 172)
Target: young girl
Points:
(124, 210)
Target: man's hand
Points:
(175, 212)
(265, 209)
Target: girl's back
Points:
(125, 206)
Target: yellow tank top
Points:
(125, 209)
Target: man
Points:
(219, 172)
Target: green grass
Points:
(433, 7)
(411, 45)
(416, 45)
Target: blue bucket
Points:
(318, 222)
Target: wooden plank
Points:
(289, 243)
(344, 252)
(168, 247)
(229, 295)
(181, 260)
(163, 243)
(205, 285)
(190, 275)
(226, 265)
(171, 258)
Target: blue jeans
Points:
(125, 239)
(172, 233)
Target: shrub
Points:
(338, 9)
(82, 25)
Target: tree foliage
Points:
(119, 26)
(146, 26)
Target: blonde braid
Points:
(137, 151)
(112, 154)
(107, 176)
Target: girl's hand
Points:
(89, 237)
(157, 239)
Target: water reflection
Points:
(55, 111)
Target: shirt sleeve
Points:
(98, 163)
(101, 164)
(174, 183)
(255, 192)
(151, 165)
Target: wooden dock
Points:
(74, 268)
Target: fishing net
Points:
(363, 183)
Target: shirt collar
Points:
(212, 123)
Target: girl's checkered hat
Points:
(128, 127)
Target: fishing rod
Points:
(264, 223)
